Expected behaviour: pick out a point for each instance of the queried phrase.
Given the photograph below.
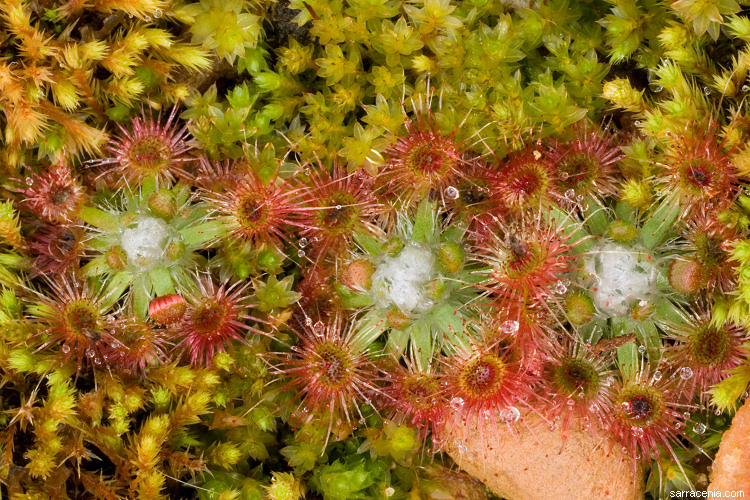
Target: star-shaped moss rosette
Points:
(149, 242)
(412, 284)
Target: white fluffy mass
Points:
(145, 241)
(400, 280)
(622, 277)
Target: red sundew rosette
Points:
(526, 263)
(587, 163)
(647, 415)
(481, 384)
(55, 194)
(258, 213)
(702, 351)
(57, 249)
(527, 181)
(414, 397)
(421, 162)
(334, 208)
(328, 374)
(698, 172)
(709, 240)
(214, 317)
(77, 319)
(149, 149)
(577, 389)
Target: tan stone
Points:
(533, 464)
(731, 467)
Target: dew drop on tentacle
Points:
(509, 326)
(457, 403)
(451, 193)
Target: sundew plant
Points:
(354, 249)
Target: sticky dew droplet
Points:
(457, 403)
(509, 326)
(451, 193)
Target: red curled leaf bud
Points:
(167, 309)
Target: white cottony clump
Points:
(400, 280)
(145, 241)
(621, 277)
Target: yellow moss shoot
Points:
(284, 486)
(637, 193)
(10, 227)
(726, 393)
(622, 94)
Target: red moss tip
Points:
(167, 309)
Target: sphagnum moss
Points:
(409, 213)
